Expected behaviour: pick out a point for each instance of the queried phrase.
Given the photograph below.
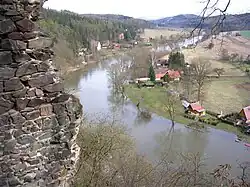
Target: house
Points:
(143, 79)
(174, 75)
(245, 115)
(160, 73)
(99, 46)
(196, 109)
(121, 36)
(193, 108)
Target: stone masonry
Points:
(39, 122)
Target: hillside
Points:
(232, 22)
(121, 18)
(71, 31)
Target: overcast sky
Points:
(150, 9)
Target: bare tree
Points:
(170, 105)
(211, 8)
(200, 69)
(219, 71)
(118, 75)
(187, 83)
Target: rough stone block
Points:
(18, 132)
(21, 103)
(10, 146)
(4, 120)
(5, 57)
(46, 110)
(35, 102)
(1, 87)
(59, 109)
(15, 36)
(63, 120)
(32, 115)
(7, 73)
(17, 118)
(7, 26)
(21, 57)
(13, 45)
(62, 98)
(41, 80)
(31, 92)
(13, 84)
(39, 93)
(30, 176)
(43, 67)
(25, 25)
(40, 55)
(25, 139)
(29, 35)
(20, 93)
(40, 43)
(26, 68)
(45, 135)
(56, 87)
(5, 105)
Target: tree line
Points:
(78, 30)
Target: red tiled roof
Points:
(247, 112)
(174, 74)
(197, 107)
(160, 75)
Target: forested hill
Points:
(232, 22)
(78, 30)
(125, 19)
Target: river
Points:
(215, 146)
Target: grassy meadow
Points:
(165, 32)
(153, 101)
(245, 34)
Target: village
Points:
(168, 76)
(188, 111)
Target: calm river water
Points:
(215, 146)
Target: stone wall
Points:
(38, 121)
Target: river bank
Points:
(153, 101)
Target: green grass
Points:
(245, 34)
(153, 99)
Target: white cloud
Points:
(142, 8)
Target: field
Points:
(229, 93)
(166, 32)
(245, 34)
(226, 95)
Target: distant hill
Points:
(232, 22)
(121, 18)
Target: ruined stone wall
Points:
(38, 120)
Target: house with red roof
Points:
(245, 115)
(174, 75)
(194, 108)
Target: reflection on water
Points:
(151, 134)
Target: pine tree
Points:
(151, 73)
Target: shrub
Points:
(189, 116)
(227, 121)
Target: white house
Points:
(99, 46)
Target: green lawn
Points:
(245, 34)
(153, 100)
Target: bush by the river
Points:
(109, 158)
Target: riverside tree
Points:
(200, 69)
